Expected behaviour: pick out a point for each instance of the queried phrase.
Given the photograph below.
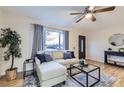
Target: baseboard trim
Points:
(94, 60)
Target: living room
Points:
(27, 19)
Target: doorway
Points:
(82, 49)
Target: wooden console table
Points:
(112, 53)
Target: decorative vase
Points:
(81, 62)
(11, 74)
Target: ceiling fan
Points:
(89, 11)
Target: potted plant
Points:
(11, 41)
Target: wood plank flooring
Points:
(115, 71)
(108, 69)
(13, 83)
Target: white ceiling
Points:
(60, 16)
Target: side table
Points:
(25, 72)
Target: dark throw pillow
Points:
(48, 58)
(41, 57)
(67, 55)
(72, 54)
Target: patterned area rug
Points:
(106, 81)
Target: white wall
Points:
(1, 18)
(1, 24)
(22, 25)
(73, 41)
(97, 41)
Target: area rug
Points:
(105, 81)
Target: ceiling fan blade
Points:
(76, 13)
(104, 9)
(72, 21)
(80, 18)
(93, 18)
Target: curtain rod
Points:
(50, 27)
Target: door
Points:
(82, 46)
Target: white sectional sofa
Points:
(53, 72)
(50, 73)
(59, 58)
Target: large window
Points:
(54, 39)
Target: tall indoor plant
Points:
(11, 41)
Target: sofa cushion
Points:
(67, 61)
(48, 57)
(51, 70)
(67, 55)
(37, 61)
(57, 54)
(72, 54)
(41, 57)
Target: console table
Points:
(112, 53)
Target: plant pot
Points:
(11, 74)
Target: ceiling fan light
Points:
(88, 16)
(91, 8)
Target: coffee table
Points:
(87, 70)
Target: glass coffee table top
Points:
(86, 68)
(84, 74)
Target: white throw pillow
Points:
(57, 54)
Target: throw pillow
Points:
(41, 57)
(72, 54)
(48, 58)
(67, 55)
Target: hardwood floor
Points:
(117, 72)
(13, 83)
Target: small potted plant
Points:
(11, 41)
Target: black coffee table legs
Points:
(87, 78)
